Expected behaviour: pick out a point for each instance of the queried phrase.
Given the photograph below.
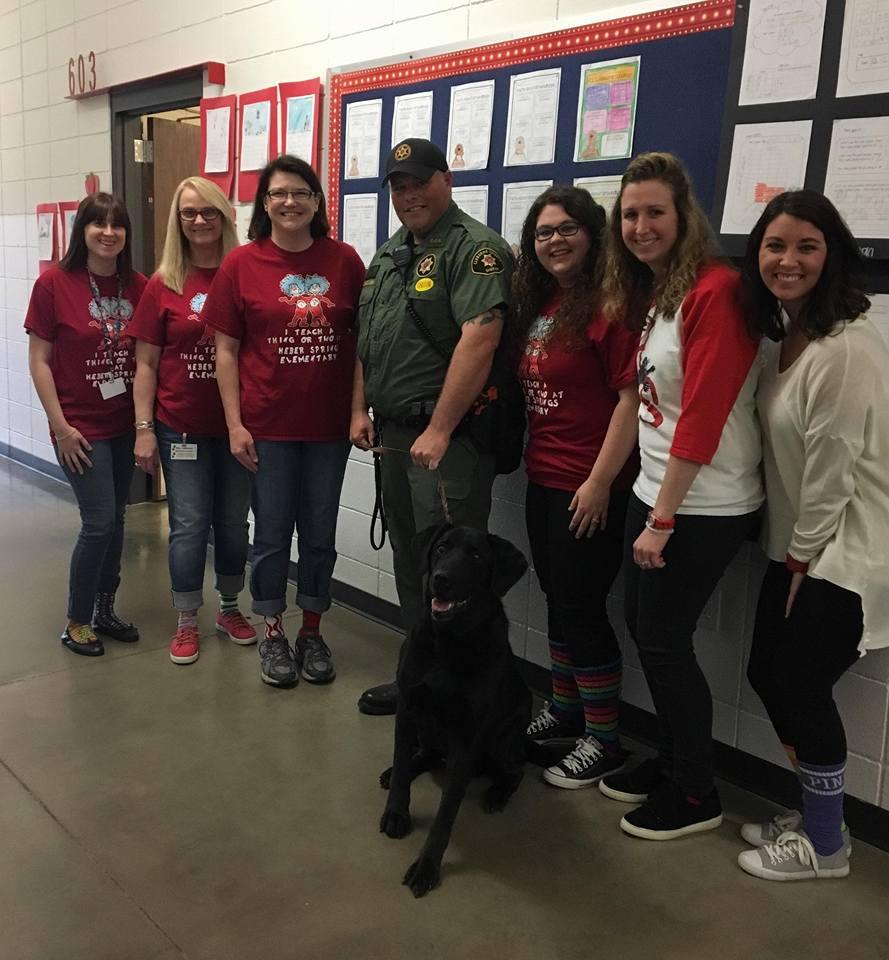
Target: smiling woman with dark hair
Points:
(823, 601)
(283, 308)
(82, 366)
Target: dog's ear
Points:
(508, 564)
(425, 540)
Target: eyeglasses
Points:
(189, 213)
(279, 196)
(567, 229)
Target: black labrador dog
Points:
(460, 697)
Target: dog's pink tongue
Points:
(441, 606)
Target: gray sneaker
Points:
(316, 658)
(792, 857)
(277, 665)
(759, 834)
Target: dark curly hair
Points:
(838, 296)
(532, 285)
(260, 223)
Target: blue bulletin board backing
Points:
(685, 57)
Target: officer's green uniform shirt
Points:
(459, 271)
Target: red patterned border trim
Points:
(674, 22)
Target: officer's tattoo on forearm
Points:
(489, 316)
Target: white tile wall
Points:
(48, 144)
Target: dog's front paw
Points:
(497, 795)
(394, 824)
(385, 777)
(422, 876)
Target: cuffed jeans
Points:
(297, 485)
(101, 492)
(211, 491)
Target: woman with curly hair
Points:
(578, 373)
(823, 601)
(179, 418)
(284, 310)
(699, 487)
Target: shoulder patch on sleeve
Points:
(486, 262)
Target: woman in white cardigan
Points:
(825, 597)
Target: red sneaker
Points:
(236, 627)
(185, 647)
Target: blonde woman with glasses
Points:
(180, 421)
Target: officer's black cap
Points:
(416, 157)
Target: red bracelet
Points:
(656, 523)
(796, 566)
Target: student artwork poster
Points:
(606, 109)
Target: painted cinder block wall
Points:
(48, 144)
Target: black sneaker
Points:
(277, 664)
(635, 785)
(587, 763)
(110, 625)
(668, 814)
(547, 726)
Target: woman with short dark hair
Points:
(823, 601)
(284, 308)
(82, 365)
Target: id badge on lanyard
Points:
(116, 385)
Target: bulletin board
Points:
(684, 57)
(837, 97)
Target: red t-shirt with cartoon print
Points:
(294, 314)
(89, 346)
(570, 394)
(187, 398)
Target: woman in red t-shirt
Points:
(179, 415)
(284, 308)
(82, 366)
(579, 376)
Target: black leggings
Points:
(576, 575)
(662, 608)
(795, 662)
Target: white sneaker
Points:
(792, 857)
(759, 834)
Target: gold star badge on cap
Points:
(402, 151)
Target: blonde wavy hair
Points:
(176, 258)
(627, 286)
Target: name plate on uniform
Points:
(183, 451)
(112, 388)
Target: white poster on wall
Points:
(412, 117)
(363, 122)
(469, 125)
(858, 174)
(360, 223)
(532, 117)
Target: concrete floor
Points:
(156, 812)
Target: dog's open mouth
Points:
(445, 609)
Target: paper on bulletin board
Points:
(879, 313)
(469, 125)
(767, 159)
(864, 55)
(782, 53)
(67, 214)
(858, 175)
(472, 201)
(394, 222)
(606, 109)
(517, 200)
(300, 130)
(46, 236)
(255, 128)
(362, 140)
(218, 141)
(412, 117)
(360, 223)
(532, 117)
(604, 190)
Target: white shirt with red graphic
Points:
(697, 373)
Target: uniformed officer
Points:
(442, 277)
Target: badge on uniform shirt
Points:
(183, 451)
(112, 388)
(426, 265)
(421, 286)
(486, 262)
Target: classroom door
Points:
(177, 155)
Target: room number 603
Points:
(78, 80)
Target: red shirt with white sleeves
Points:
(571, 392)
(187, 398)
(89, 346)
(697, 373)
(294, 315)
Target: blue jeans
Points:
(213, 490)
(297, 485)
(101, 492)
